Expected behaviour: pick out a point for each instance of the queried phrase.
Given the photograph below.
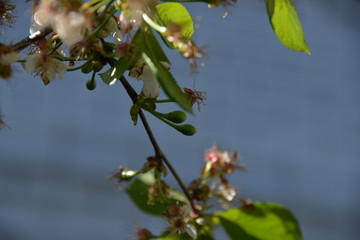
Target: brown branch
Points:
(134, 96)
(31, 39)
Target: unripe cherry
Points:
(187, 129)
(91, 84)
(97, 65)
(176, 116)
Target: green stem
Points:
(102, 24)
(87, 5)
(66, 58)
(55, 48)
(160, 100)
(79, 67)
(153, 24)
(99, 5)
(160, 116)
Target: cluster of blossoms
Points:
(65, 18)
(84, 29)
(213, 181)
(186, 47)
(182, 217)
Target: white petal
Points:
(32, 62)
(191, 230)
(70, 27)
(151, 87)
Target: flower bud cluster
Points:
(186, 47)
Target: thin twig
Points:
(33, 38)
(133, 95)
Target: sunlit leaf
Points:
(157, 49)
(267, 221)
(286, 24)
(175, 13)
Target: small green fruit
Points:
(97, 66)
(91, 84)
(187, 129)
(176, 116)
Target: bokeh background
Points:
(293, 117)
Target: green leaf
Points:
(205, 233)
(268, 221)
(175, 13)
(134, 112)
(114, 73)
(155, 46)
(165, 78)
(138, 192)
(286, 24)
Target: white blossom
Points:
(141, 71)
(70, 25)
(48, 66)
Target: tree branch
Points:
(33, 38)
(133, 95)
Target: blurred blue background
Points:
(293, 117)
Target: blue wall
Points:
(293, 117)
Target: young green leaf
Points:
(153, 42)
(165, 78)
(286, 24)
(138, 192)
(114, 73)
(268, 221)
(175, 13)
(134, 112)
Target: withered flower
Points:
(7, 18)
